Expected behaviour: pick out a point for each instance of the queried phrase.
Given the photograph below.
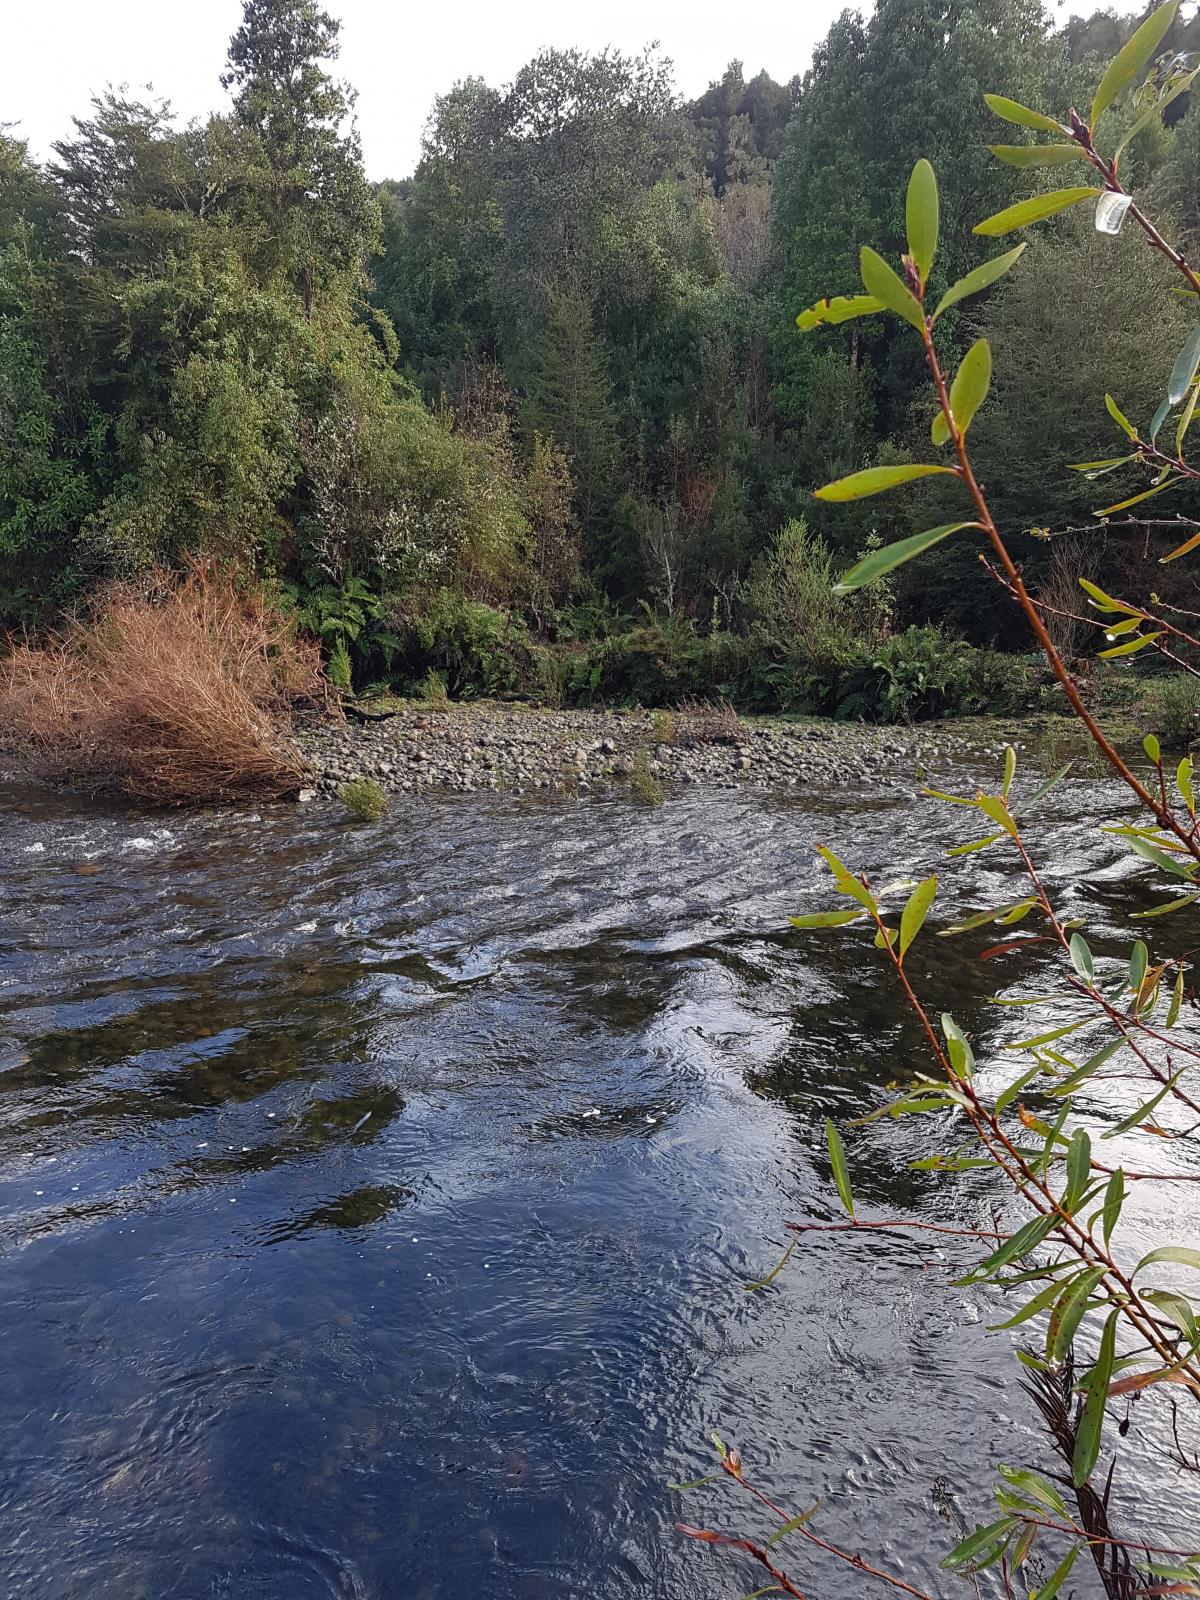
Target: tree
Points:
(566, 393)
(740, 127)
(318, 214)
(879, 93)
(442, 232)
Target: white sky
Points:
(57, 53)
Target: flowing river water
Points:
(378, 1202)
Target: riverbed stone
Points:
(492, 746)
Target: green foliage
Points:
(431, 691)
(363, 799)
(644, 786)
(920, 673)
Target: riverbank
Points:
(490, 746)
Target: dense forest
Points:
(537, 419)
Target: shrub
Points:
(477, 649)
(790, 601)
(177, 691)
(644, 785)
(363, 799)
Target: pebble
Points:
(491, 746)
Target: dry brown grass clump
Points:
(175, 691)
(708, 722)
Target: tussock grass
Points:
(363, 799)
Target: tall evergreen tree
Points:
(318, 213)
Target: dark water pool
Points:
(377, 1203)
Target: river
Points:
(378, 1202)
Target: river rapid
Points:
(378, 1202)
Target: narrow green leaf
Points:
(1184, 370)
(1014, 1248)
(1188, 545)
(971, 384)
(1010, 769)
(1177, 1308)
(1022, 116)
(1183, 780)
(1050, 1589)
(1091, 1424)
(1136, 499)
(1035, 1487)
(841, 1173)
(846, 881)
(1139, 961)
(1069, 1313)
(826, 919)
(1147, 1108)
(1176, 1001)
(1114, 1199)
(1037, 155)
(883, 283)
(1130, 647)
(975, 1544)
(1098, 469)
(793, 1523)
(696, 1483)
(761, 1283)
(1079, 1169)
(1051, 782)
(1160, 858)
(1185, 418)
(993, 914)
(879, 562)
(1081, 958)
(1006, 1096)
(1042, 1301)
(1132, 57)
(1152, 748)
(1171, 905)
(921, 215)
(841, 308)
(974, 844)
(993, 807)
(1050, 1036)
(1180, 1255)
(876, 480)
(981, 278)
(1119, 417)
(912, 918)
(958, 1048)
(1102, 601)
(1036, 209)
(1090, 1066)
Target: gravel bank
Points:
(484, 746)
